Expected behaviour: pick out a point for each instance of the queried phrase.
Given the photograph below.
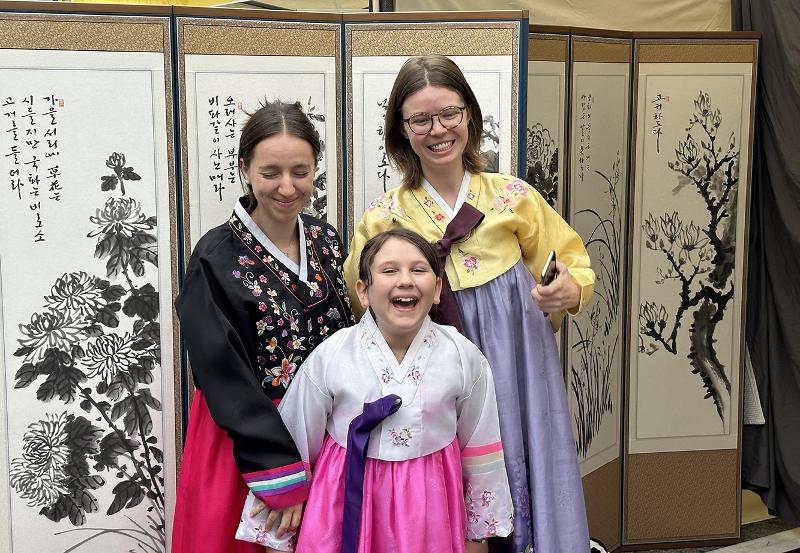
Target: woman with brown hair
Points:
(261, 292)
(494, 233)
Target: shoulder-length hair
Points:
(416, 74)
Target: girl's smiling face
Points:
(402, 290)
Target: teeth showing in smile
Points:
(404, 302)
(441, 147)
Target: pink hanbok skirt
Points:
(211, 491)
(409, 506)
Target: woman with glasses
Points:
(494, 233)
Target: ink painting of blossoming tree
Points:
(696, 258)
(92, 353)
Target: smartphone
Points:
(549, 271)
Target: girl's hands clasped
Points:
(561, 294)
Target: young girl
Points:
(494, 232)
(434, 476)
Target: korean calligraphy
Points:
(30, 125)
(222, 122)
(585, 138)
(383, 164)
(658, 104)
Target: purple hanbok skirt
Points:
(503, 320)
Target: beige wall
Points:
(626, 15)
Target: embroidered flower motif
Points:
(487, 497)
(439, 217)
(470, 196)
(320, 320)
(273, 343)
(428, 202)
(472, 516)
(386, 374)
(297, 343)
(491, 526)
(393, 208)
(471, 263)
(414, 373)
(329, 232)
(283, 374)
(325, 250)
(256, 290)
(273, 357)
(374, 203)
(262, 279)
(237, 274)
(271, 293)
(324, 331)
(247, 237)
(333, 313)
(400, 437)
(262, 306)
(517, 186)
(245, 261)
(294, 323)
(257, 248)
(261, 361)
(315, 230)
(315, 291)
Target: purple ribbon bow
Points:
(355, 460)
(467, 218)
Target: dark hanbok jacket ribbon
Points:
(467, 218)
(355, 460)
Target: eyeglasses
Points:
(449, 117)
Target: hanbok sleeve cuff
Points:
(280, 487)
(585, 280)
(487, 497)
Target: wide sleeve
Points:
(214, 333)
(487, 495)
(305, 409)
(541, 230)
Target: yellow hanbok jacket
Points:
(518, 223)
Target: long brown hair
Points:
(271, 119)
(416, 74)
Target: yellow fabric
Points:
(624, 15)
(518, 223)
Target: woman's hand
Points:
(288, 518)
(476, 547)
(561, 294)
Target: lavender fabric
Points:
(467, 218)
(357, 442)
(502, 319)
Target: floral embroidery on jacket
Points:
(471, 262)
(400, 437)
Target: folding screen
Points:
(546, 133)
(228, 68)
(693, 126)
(597, 207)
(88, 271)
(486, 46)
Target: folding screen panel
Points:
(486, 49)
(691, 166)
(597, 207)
(546, 133)
(228, 68)
(88, 265)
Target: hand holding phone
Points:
(549, 271)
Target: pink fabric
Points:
(211, 491)
(482, 450)
(409, 506)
